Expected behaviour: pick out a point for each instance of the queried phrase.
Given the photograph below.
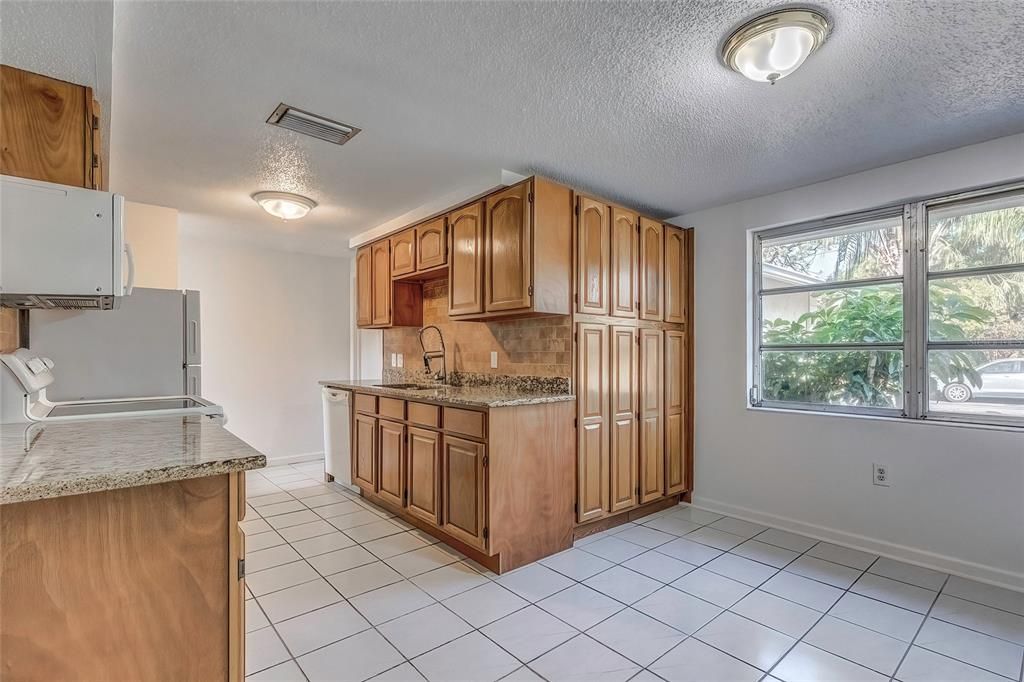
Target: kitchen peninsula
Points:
(121, 552)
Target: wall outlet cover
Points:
(494, 359)
(401, 360)
(394, 360)
(880, 475)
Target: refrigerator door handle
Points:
(130, 256)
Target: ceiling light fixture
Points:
(774, 45)
(284, 205)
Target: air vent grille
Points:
(305, 123)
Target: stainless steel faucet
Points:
(441, 376)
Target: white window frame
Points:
(915, 278)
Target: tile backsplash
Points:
(538, 346)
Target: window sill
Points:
(932, 421)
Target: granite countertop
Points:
(471, 396)
(56, 459)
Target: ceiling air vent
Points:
(305, 123)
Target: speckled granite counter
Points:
(471, 396)
(42, 461)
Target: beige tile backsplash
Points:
(539, 346)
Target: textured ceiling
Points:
(627, 100)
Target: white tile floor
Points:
(340, 590)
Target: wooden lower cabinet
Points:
(423, 481)
(497, 483)
(391, 461)
(138, 583)
(592, 419)
(675, 414)
(652, 416)
(623, 394)
(463, 487)
(364, 452)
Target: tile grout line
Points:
(918, 631)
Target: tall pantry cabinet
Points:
(632, 362)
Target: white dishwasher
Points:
(337, 434)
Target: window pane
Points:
(865, 378)
(971, 382)
(853, 315)
(860, 251)
(980, 308)
(976, 235)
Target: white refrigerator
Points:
(149, 346)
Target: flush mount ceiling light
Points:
(774, 45)
(284, 205)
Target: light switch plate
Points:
(494, 359)
(394, 360)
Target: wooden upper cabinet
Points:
(364, 287)
(651, 270)
(675, 275)
(364, 446)
(48, 130)
(592, 256)
(623, 384)
(380, 253)
(675, 421)
(391, 462)
(625, 263)
(403, 253)
(652, 424)
(466, 266)
(432, 244)
(423, 482)
(464, 491)
(592, 416)
(508, 281)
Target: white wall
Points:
(152, 232)
(274, 323)
(957, 495)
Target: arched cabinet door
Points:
(625, 262)
(508, 279)
(432, 244)
(364, 287)
(592, 256)
(652, 272)
(466, 269)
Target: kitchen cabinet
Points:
(432, 244)
(592, 238)
(423, 473)
(508, 281)
(625, 263)
(49, 130)
(466, 269)
(380, 258)
(651, 270)
(504, 501)
(364, 287)
(391, 461)
(592, 488)
(403, 253)
(623, 384)
(652, 416)
(675, 416)
(675, 275)
(463, 488)
(364, 452)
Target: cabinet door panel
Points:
(652, 415)
(423, 483)
(364, 287)
(391, 469)
(623, 451)
(381, 273)
(651, 270)
(403, 253)
(463, 490)
(675, 396)
(508, 279)
(592, 237)
(675, 275)
(364, 445)
(432, 244)
(592, 407)
(625, 263)
(466, 269)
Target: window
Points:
(856, 314)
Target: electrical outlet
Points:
(880, 475)
(394, 360)
(494, 359)
(401, 360)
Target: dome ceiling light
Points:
(774, 45)
(284, 205)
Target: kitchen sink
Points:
(410, 387)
